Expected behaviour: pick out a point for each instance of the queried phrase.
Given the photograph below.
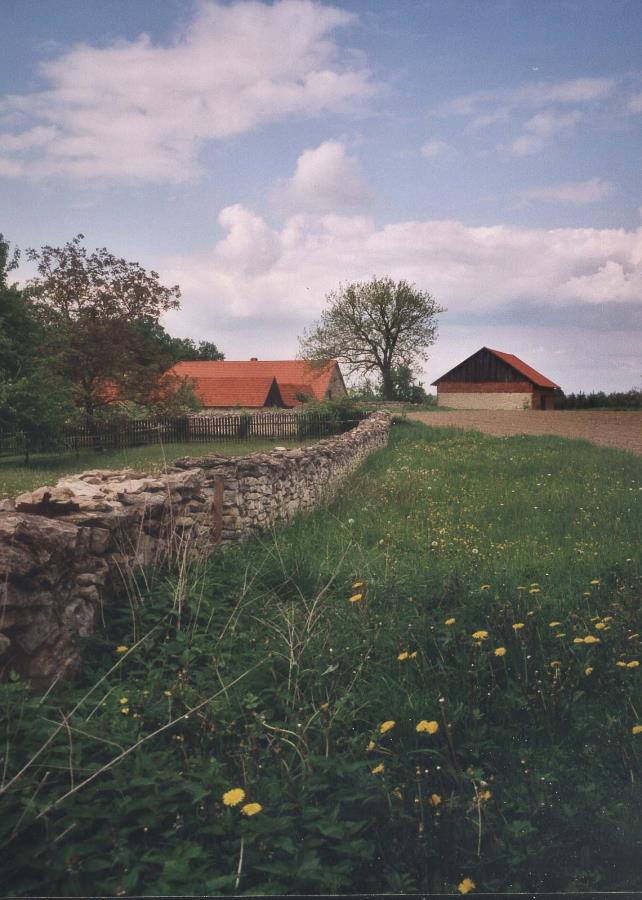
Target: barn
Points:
(491, 379)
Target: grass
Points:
(47, 468)
(298, 667)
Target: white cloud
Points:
(578, 192)
(434, 148)
(533, 94)
(469, 269)
(326, 178)
(140, 110)
(539, 129)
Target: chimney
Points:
(254, 359)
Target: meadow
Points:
(431, 685)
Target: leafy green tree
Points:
(93, 308)
(177, 349)
(374, 327)
(405, 387)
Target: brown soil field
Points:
(610, 429)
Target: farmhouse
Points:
(490, 379)
(254, 383)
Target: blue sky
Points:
(259, 154)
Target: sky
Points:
(262, 154)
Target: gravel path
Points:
(611, 429)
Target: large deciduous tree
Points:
(95, 309)
(374, 327)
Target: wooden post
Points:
(217, 512)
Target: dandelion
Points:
(450, 621)
(124, 710)
(500, 651)
(520, 587)
(427, 727)
(578, 640)
(621, 664)
(123, 701)
(554, 624)
(633, 664)
(233, 797)
(122, 648)
(356, 598)
(403, 655)
(591, 639)
(465, 886)
(534, 590)
(517, 626)
(588, 670)
(595, 581)
(637, 729)
(600, 625)
(561, 634)
(371, 746)
(480, 635)
(167, 693)
(251, 809)
(413, 655)
(435, 800)
(378, 770)
(484, 795)
(386, 726)
(357, 585)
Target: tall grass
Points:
(451, 587)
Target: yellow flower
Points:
(403, 655)
(554, 624)
(555, 664)
(637, 729)
(233, 797)
(123, 701)
(501, 651)
(633, 664)
(356, 598)
(480, 635)
(621, 664)
(378, 770)
(591, 639)
(413, 655)
(357, 585)
(428, 727)
(371, 746)
(600, 625)
(595, 581)
(386, 726)
(520, 587)
(122, 648)
(450, 622)
(533, 590)
(251, 809)
(397, 793)
(484, 587)
(535, 584)
(518, 625)
(485, 795)
(578, 640)
(466, 885)
(124, 710)
(167, 693)
(435, 800)
(632, 636)
(561, 634)
(588, 670)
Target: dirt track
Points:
(611, 429)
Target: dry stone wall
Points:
(67, 549)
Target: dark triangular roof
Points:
(514, 362)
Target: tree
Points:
(178, 349)
(404, 386)
(93, 307)
(374, 326)
(33, 400)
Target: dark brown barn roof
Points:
(515, 363)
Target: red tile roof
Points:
(291, 371)
(289, 393)
(234, 391)
(520, 366)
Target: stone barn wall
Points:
(65, 550)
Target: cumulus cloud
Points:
(140, 110)
(538, 130)
(326, 178)
(579, 192)
(434, 148)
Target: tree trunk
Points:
(387, 385)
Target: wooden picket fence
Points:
(186, 429)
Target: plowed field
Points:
(611, 429)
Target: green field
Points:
(47, 468)
(430, 684)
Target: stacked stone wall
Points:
(66, 550)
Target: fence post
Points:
(217, 512)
